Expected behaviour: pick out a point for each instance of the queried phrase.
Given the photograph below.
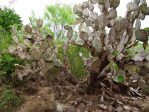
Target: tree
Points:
(109, 50)
(56, 16)
(8, 17)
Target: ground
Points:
(64, 93)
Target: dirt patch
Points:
(64, 93)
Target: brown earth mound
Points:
(64, 93)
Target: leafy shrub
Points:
(7, 67)
(5, 41)
(8, 17)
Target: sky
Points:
(25, 7)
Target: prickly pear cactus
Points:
(38, 49)
(109, 48)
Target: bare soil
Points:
(64, 93)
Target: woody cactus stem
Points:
(106, 47)
(142, 36)
(95, 71)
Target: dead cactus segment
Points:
(112, 14)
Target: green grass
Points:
(9, 101)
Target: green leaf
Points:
(116, 68)
(115, 53)
(113, 66)
(119, 78)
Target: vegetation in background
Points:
(8, 17)
(56, 16)
(75, 61)
(5, 40)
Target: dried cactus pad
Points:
(77, 9)
(132, 6)
(112, 13)
(143, 8)
(28, 29)
(114, 3)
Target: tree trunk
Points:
(101, 63)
